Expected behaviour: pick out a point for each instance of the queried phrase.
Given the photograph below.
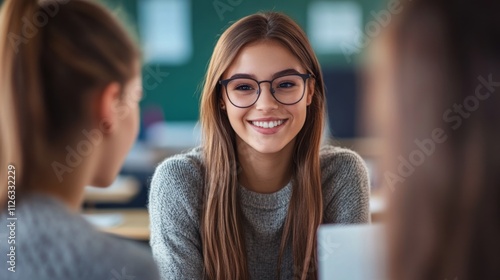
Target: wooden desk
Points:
(134, 222)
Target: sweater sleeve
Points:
(346, 187)
(174, 208)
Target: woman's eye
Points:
(286, 85)
(243, 87)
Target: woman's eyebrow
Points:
(287, 71)
(242, 75)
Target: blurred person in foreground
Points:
(70, 84)
(436, 77)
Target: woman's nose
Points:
(266, 101)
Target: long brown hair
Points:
(445, 217)
(223, 242)
(53, 53)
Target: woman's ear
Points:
(222, 105)
(310, 90)
(107, 101)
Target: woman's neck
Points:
(69, 190)
(265, 173)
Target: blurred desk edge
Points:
(135, 223)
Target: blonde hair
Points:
(223, 242)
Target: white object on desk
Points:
(127, 223)
(123, 189)
(354, 252)
(104, 220)
(377, 204)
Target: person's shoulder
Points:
(346, 186)
(341, 165)
(187, 164)
(337, 158)
(104, 256)
(125, 258)
(68, 246)
(180, 171)
(178, 182)
(122, 257)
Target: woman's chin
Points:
(103, 182)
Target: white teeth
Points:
(268, 124)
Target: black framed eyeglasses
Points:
(287, 89)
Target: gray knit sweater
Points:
(54, 244)
(175, 204)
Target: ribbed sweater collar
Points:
(274, 200)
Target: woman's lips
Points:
(268, 126)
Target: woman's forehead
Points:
(263, 60)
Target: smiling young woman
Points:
(247, 204)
